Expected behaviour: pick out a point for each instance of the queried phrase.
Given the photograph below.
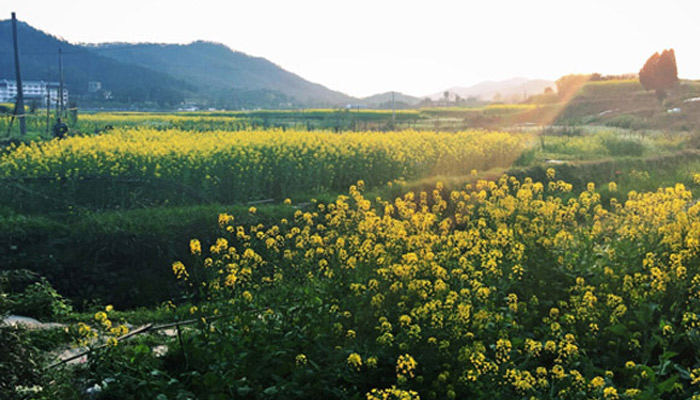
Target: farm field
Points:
(521, 263)
(511, 288)
(293, 200)
(234, 167)
(621, 103)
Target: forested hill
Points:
(126, 82)
(214, 67)
(209, 74)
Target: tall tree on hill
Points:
(659, 73)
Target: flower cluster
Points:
(239, 166)
(507, 288)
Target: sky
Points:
(364, 47)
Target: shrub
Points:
(23, 292)
(626, 121)
(622, 147)
(19, 365)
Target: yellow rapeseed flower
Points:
(354, 360)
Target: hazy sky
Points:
(363, 47)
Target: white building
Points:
(94, 87)
(32, 90)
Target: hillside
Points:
(160, 75)
(384, 100)
(127, 83)
(625, 104)
(213, 67)
(490, 90)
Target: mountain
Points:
(209, 74)
(384, 100)
(213, 67)
(127, 83)
(515, 88)
(166, 75)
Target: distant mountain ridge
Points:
(164, 75)
(214, 66)
(507, 89)
(207, 74)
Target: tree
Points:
(659, 73)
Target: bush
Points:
(621, 147)
(19, 364)
(40, 300)
(23, 292)
(626, 121)
(22, 361)
(563, 130)
(526, 158)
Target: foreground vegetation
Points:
(570, 276)
(508, 288)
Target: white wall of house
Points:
(32, 90)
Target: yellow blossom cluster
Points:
(237, 166)
(508, 287)
(86, 335)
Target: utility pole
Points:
(48, 103)
(19, 103)
(60, 90)
(48, 111)
(393, 109)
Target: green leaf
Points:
(650, 372)
(682, 372)
(667, 355)
(619, 330)
(244, 390)
(272, 390)
(662, 368)
(667, 385)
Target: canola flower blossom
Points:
(406, 365)
(86, 335)
(355, 361)
(161, 121)
(229, 166)
(392, 393)
(301, 360)
(507, 288)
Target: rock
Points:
(27, 322)
(68, 353)
(170, 332)
(160, 351)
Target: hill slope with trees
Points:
(127, 83)
(214, 67)
(159, 75)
